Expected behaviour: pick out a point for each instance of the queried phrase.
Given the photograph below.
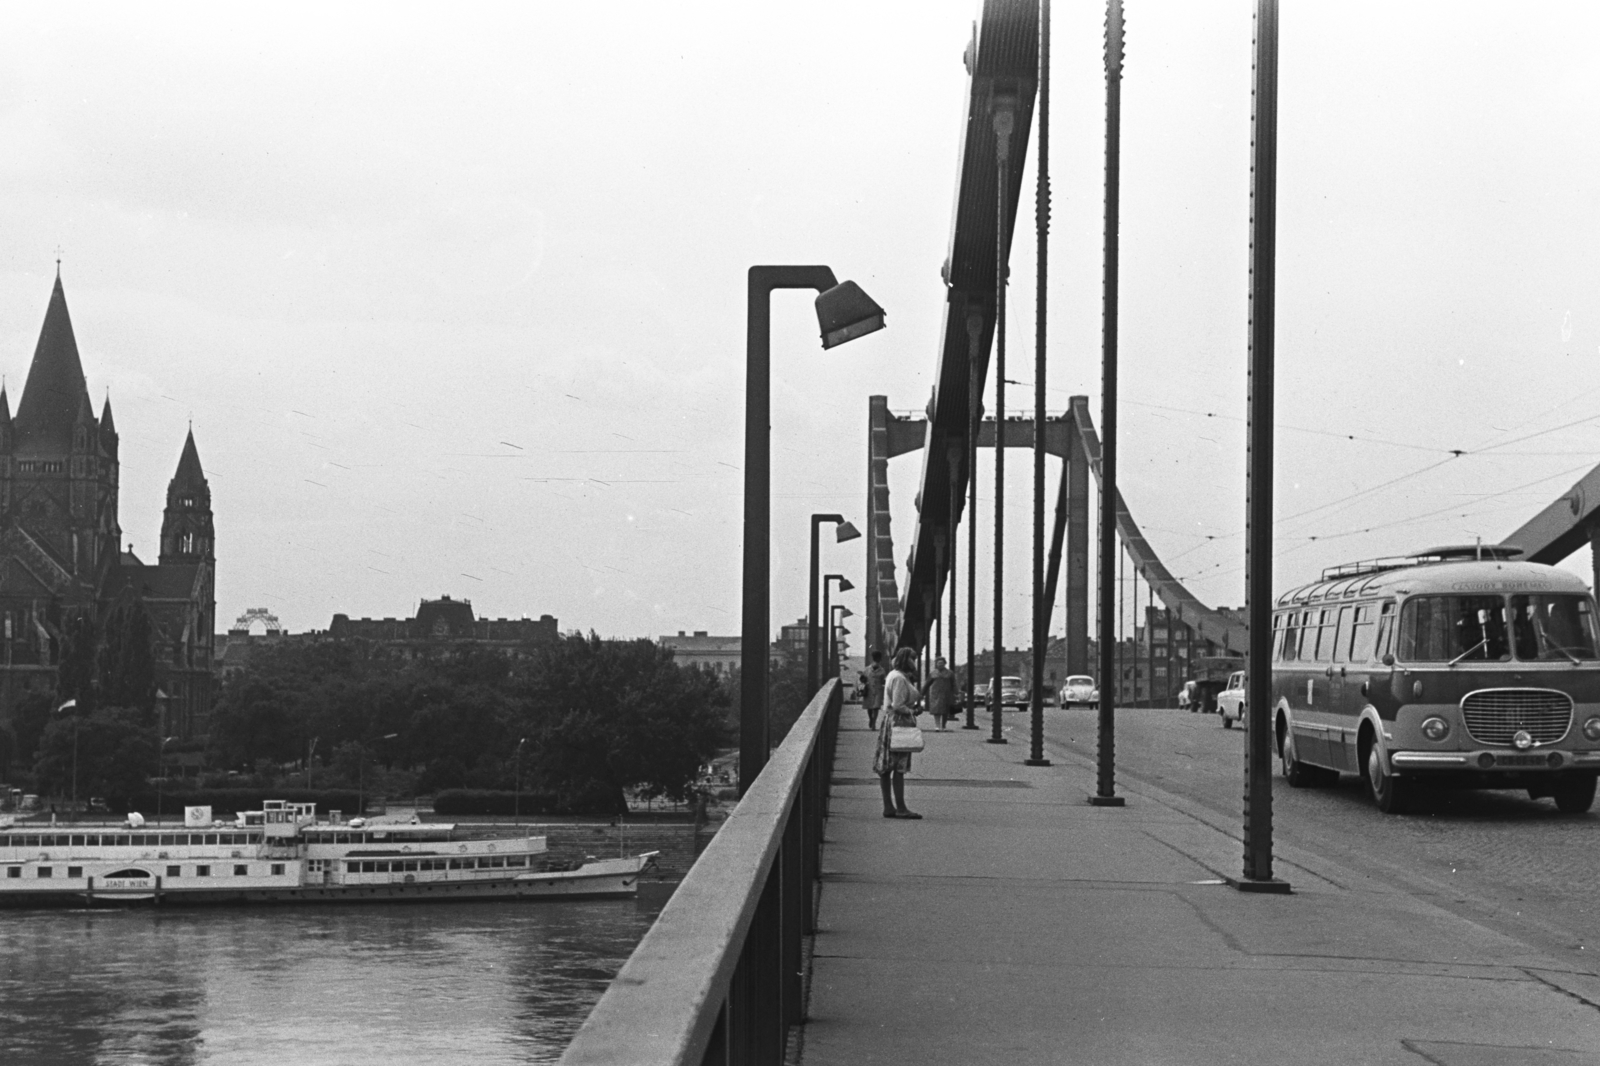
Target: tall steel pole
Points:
(755, 618)
(955, 454)
(1257, 876)
(1004, 120)
(1105, 782)
(1041, 218)
(974, 414)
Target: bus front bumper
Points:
(1495, 759)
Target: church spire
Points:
(55, 390)
(106, 425)
(187, 530)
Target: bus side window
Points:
(1341, 642)
(1362, 632)
(1325, 631)
(1291, 638)
(1380, 647)
(1277, 637)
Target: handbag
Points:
(905, 738)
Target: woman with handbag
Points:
(898, 735)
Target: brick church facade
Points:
(61, 555)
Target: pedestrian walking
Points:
(872, 699)
(939, 693)
(899, 709)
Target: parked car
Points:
(1012, 692)
(1230, 701)
(1079, 689)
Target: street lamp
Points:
(161, 773)
(844, 312)
(361, 774)
(846, 531)
(72, 705)
(836, 631)
(517, 803)
(827, 616)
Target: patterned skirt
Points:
(885, 761)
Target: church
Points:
(61, 555)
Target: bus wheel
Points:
(1575, 795)
(1388, 793)
(1297, 773)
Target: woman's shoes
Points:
(911, 815)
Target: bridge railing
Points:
(717, 979)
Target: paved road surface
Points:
(1514, 864)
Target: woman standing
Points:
(939, 692)
(899, 708)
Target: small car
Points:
(1012, 692)
(1079, 689)
(1230, 701)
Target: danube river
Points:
(389, 985)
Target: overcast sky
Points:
(455, 296)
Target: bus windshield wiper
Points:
(1469, 651)
(1575, 660)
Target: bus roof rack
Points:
(1443, 554)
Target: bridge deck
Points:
(1016, 924)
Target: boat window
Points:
(411, 867)
(30, 841)
(174, 871)
(210, 838)
(5, 840)
(202, 871)
(74, 871)
(45, 871)
(1554, 628)
(277, 869)
(169, 840)
(383, 867)
(455, 864)
(241, 870)
(13, 871)
(124, 840)
(497, 862)
(516, 860)
(1362, 631)
(77, 840)
(1444, 628)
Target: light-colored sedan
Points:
(1079, 689)
(1230, 701)
(1012, 692)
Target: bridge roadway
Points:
(1016, 924)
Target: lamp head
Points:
(844, 313)
(845, 585)
(846, 531)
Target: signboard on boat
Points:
(197, 816)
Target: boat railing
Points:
(717, 979)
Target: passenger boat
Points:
(284, 854)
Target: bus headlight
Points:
(1435, 728)
(1591, 728)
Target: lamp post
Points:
(361, 774)
(836, 630)
(516, 808)
(826, 654)
(161, 773)
(844, 312)
(72, 705)
(846, 531)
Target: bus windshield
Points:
(1448, 628)
(1553, 627)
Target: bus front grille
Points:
(1495, 715)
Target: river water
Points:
(472, 982)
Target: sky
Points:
(453, 297)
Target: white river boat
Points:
(283, 854)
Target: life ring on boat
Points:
(462, 848)
(405, 849)
(491, 847)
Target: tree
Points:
(117, 753)
(608, 716)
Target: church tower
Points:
(186, 526)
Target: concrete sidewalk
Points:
(1017, 924)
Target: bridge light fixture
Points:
(845, 532)
(844, 313)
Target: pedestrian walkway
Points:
(1017, 924)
